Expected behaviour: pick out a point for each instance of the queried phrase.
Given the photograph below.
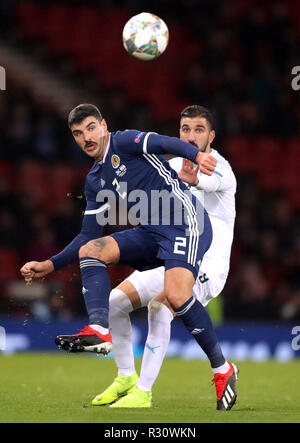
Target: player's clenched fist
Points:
(206, 163)
(35, 269)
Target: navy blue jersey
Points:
(132, 165)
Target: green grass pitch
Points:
(49, 388)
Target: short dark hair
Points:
(194, 111)
(78, 114)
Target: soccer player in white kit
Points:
(217, 193)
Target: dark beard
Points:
(196, 146)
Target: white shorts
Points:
(149, 284)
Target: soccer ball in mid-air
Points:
(145, 36)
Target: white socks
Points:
(121, 333)
(159, 322)
(159, 318)
(221, 369)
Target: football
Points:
(145, 36)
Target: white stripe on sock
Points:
(186, 308)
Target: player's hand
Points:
(188, 173)
(35, 269)
(206, 163)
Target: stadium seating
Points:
(10, 264)
(7, 173)
(92, 24)
(32, 181)
(271, 164)
(240, 151)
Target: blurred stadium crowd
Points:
(235, 57)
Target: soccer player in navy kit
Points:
(180, 247)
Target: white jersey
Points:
(217, 193)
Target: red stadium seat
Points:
(33, 180)
(118, 273)
(290, 179)
(7, 173)
(268, 160)
(294, 199)
(10, 264)
(166, 107)
(31, 19)
(59, 30)
(31, 171)
(289, 167)
(294, 8)
(240, 152)
(269, 181)
(292, 153)
(109, 63)
(58, 16)
(268, 153)
(61, 182)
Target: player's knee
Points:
(115, 298)
(93, 248)
(87, 251)
(83, 251)
(159, 322)
(174, 299)
(154, 307)
(159, 311)
(119, 301)
(178, 287)
(105, 249)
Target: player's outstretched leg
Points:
(226, 388)
(120, 387)
(92, 338)
(94, 257)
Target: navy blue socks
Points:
(198, 322)
(96, 290)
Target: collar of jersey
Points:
(107, 149)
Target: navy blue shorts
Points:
(147, 247)
(137, 249)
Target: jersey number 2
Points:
(179, 243)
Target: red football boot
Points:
(88, 340)
(226, 388)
